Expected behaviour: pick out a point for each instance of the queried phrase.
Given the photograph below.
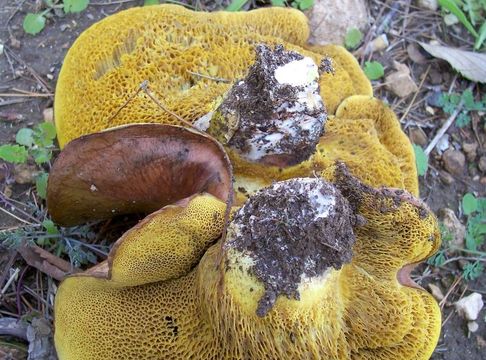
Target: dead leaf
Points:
(44, 261)
(470, 64)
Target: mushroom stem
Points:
(289, 233)
(275, 115)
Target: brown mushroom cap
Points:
(134, 169)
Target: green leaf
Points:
(374, 70)
(469, 204)
(463, 119)
(34, 23)
(50, 227)
(236, 5)
(421, 160)
(353, 38)
(475, 232)
(481, 37)
(438, 259)
(44, 134)
(305, 4)
(41, 184)
(41, 155)
(456, 10)
(472, 271)
(75, 6)
(482, 207)
(25, 137)
(48, 130)
(280, 3)
(150, 2)
(468, 98)
(14, 153)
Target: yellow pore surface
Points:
(208, 312)
(169, 46)
(364, 134)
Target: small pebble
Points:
(470, 306)
(400, 82)
(436, 292)
(453, 226)
(454, 161)
(482, 164)
(418, 136)
(432, 5)
(471, 150)
(472, 326)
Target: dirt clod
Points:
(292, 230)
(265, 118)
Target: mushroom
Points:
(309, 269)
(189, 59)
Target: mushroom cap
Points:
(134, 169)
(163, 44)
(362, 311)
(364, 133)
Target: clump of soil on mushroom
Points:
(276, 114)
(354, 190)
(293, 230)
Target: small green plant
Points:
(421, 160)
(474, 267)
(73, 242)
(472, 271)
(441, 256)
(475, 18)
(151, 2)
(438, 259)
(353, 38)
(35, 22)
(475, 210)
(449, 103)
(237, 5)
(35, 145)
(374, 70)
(302, 4)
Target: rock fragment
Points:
(453, 226)
(330, 20)
(418, 136)
(436, 292)
(470, 306)
(472, 326)
(471, 150)
(431, 5)
(454, 161)
(400, 82)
